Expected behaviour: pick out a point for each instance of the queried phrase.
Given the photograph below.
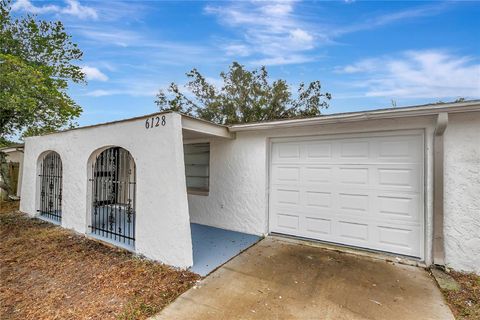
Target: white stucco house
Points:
(402, 181)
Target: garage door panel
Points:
(288, 221)
(354, 217)
(399, 207)
(402, 206)
(286, 174)
(322, 226)
(353, 231)
(354, 202)
(401, 178)
(318, 150)
(359, 191)
(381, 177)
(354, 175)
(400, 149)
(353, 149)
(318, 199)
(403, 240)
(394, 236)
(317, 175)
(288, 196)
(287, 152)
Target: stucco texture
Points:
(462, 192)
(239, 169)
(237, 197)
(238, 185)
(162, 221)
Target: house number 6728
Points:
(155, 122)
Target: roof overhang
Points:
(391, 113)
(198, 129)
(13, 148)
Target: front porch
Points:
(212, 247)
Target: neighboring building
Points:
(405, 181)
(15, 165)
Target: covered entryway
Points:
(212, 246)
(363, 190)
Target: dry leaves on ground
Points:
(465, 303)
(52, 273)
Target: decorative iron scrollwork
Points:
(51, 187)
(113, 196)
(129, 211)
(111, 221)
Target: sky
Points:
(367, 54)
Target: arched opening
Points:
(50, 204)
(113, 196)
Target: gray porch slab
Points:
(276, 279)
(212, 246)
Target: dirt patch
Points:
(465, 302)
(48, 272)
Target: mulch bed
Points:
(47, 272)
(465, 303)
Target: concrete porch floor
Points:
(276, 279)
(212, 246)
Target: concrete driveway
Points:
(278, 279)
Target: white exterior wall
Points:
(462, 192)
(15, 156)
(162, 220)
(238, 198)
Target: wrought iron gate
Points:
(51, 187)
(113, 196)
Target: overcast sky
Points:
(364, 53)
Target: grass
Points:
(465, 303)
(47, 272)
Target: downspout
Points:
(438, 186)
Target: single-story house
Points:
(14, 158)
(402, 181)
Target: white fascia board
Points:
(205, 127)
(471, 106)
(11, 149)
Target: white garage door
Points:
(360, 190)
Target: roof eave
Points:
(203, 127)
(469, 106)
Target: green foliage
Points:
(35, 70)
(245, 96)
(4, 142)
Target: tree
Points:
(4, 142)
(245, 96)
(36, 65)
